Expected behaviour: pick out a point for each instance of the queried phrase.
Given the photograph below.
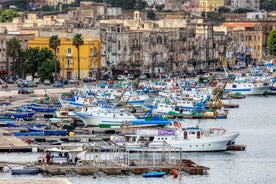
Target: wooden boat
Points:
(25, 170)
(153, 174)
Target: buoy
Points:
(175, 173)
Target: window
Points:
(69, 50)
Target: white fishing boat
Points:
(191, 139)
(245, 88)
(99, 116)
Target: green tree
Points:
(46, 69)
(271, 42)
(224, 9)
(243, 10)
(54, 43)
(7, 15)
(77, 42)
(21, 64)
(13, 49)
(151, 14)
(35, 57)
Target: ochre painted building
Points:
(67, 54)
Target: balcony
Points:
(69, 67)
(69, 55)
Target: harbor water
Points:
(255, 120)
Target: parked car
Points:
(89, 79)
(25, 90)
(130, 76)
(36, 80)
(73, 80)
(64, 81)
(106, 77)
(46, 82)
(10, 80)
(1, 81)
(31, 84)
(58, 85)
(20, 82)
(121, 77)
(143, 77)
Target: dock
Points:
(13, 144)
(187, 166)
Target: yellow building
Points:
(210, 5)
(67, 54)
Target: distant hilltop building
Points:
(176, 5)
(55, 3)
(206, 5)
(249, 4)
(155, 2)
(256, 15)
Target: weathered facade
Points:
(198, 6)
(67, 56)
(250, 4)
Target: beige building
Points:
(198, 6)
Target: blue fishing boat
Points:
(153, 174)
(11, 115)
(48, 132)
(22, 124)
(28, 134)
(44, 109)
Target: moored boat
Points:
(153, 174)
(48, 132)
(25, 170)
(191, 139)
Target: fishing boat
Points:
(112, 116)
(48, 132)
(25, 170)
(43, 109)
(190, 139)
(153, 174)
(17, 114)
(245, 88)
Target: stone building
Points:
(198, 6)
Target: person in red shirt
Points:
(48, 158)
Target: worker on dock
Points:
(48, 157)
(132, 163)
(76, 160)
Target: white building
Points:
(256, 15)
(156, 2)
(249, 4)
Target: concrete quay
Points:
(34, 180)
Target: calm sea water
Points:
(256, 122)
